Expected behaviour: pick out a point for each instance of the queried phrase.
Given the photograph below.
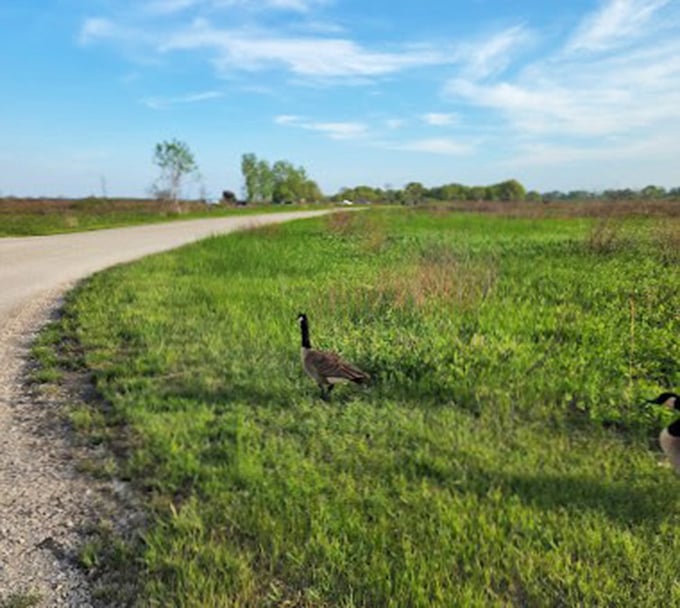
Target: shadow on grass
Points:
(643, 500)
(626, 502)
(222, 397)
(282, 392)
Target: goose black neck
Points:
(674, 429)
(304, 328)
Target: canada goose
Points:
(670, 436)
(326, 368)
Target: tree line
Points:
(282, 182)
(279, 182)
(415, 192)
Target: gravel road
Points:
(44, 501)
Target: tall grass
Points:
(25, 217)
(500, 457)
(592, 208)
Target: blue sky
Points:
(583, 94)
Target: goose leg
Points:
(326, 391)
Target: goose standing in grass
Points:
(670, 436)
(326, 368)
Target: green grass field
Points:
(500, 457)
(38, 217)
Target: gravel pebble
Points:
(45, 504)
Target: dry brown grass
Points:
(423, 285)
(606, 235)
(269, 230)
(341, 223)
(370, 229)
(562, 209)
(666, 238)
(374, 232)
(609, 235)
(441, 276)
(63, 206)
(71, 221)
(437, 278)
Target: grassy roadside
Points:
(19, 600)
(497, 460)
(34, 217)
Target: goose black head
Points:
(302, 317)
(669, 400)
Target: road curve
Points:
(44, 502)
(30, 265)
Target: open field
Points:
(26, 217)
(499, 458)
(591, 208)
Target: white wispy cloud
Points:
(380, 133)
(287, 119)
(616, 20)
(308, 49)
(98, 28)
(616, 76)
(323, 27)
(302, 6)
(134, 40)
(339, 130)
(633, 88)
(538, 154)
(602, 96)
(168, 7)
(438, 145)
(158, 103)
(332, 129)
(491, 55)
(439, 119)
(324, 57)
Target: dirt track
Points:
(44, 501)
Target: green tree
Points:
(289, 182)
(652, 191)
(311, 191)
(414, 192)
(176, 161)
(510, 190)
(265, 181)
(249, 171)
(361, 194)
(493, 193)
(279, 183)
(454, 192)
(476, 193)
(258, 177)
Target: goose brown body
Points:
(324, 367)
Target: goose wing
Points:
(333, 368)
